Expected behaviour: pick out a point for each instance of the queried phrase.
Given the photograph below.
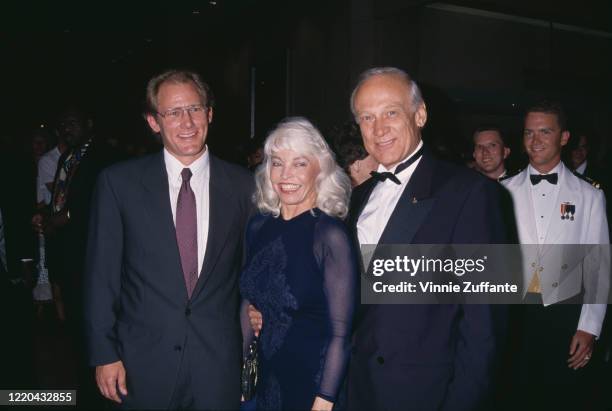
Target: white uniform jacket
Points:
(564, 271)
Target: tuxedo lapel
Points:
(220, 220)
(163, 233)
(413, 206)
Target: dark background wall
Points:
(476, 61)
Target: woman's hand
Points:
(255, 318)
(322, 405)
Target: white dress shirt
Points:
(544, 202)
(200, 177)
(382, 202)
(47, 166)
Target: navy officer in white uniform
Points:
(553, 206)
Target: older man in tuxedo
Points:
(418, 357)
(164, 254)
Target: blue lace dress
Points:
(302, 275)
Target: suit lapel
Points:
(413, 206)
(221, 214)
(163, 233)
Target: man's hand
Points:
(109, 377)
(256, 319)
(581, 349)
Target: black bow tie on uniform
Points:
(392, 176)
(551, 178)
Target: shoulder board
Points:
(587, 179)
(507, 176)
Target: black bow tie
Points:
(385, 175)
(392, 176)
(551, 178)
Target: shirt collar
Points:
(582, 167)
(174, 167)
(556, 169)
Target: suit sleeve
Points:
(481, 326)
(103, 274)
(596, 269)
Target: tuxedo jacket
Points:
(564, 270)
(136, 305)
(429, 357)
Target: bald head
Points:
(412, 90)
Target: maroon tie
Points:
(187, 232)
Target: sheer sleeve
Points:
(337, 258)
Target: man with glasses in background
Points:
(163, 260)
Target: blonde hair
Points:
(297, 134)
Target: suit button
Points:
(564, 266)
(555, 285)
(380, 360)
(187, 311)
(177, 348)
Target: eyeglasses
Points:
(176, 114)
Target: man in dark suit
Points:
(163, 259)
(418, 357)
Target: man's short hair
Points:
(549, 107)
(177, 77)
(490, 127)
(415, 97)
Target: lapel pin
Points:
(414, 200)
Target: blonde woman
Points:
(301, 271)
